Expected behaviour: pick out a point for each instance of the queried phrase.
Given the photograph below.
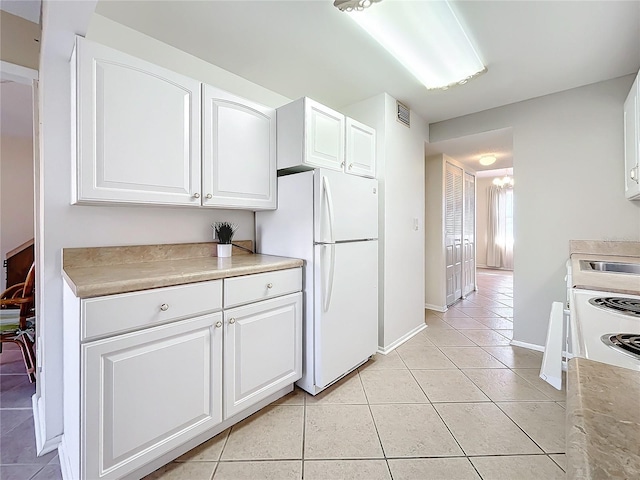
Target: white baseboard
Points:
(530, 346)
(390, 348)
(42, 446)
(437, 308)
(539, 348)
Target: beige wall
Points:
(482, 219)
(19, 40)
(16, 194)
(400, 172)
(568, 162)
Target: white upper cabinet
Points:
(324, 136)
(138, 130)
(360, 149)
(310, 135)
(239, 152)
(632, 142)
(138, 137)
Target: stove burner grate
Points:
(628, 342)
(627, 306)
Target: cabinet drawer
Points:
(251, 288)
(103, 316)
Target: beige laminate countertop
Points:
(93, 272)
(603, 421)
(626, 252)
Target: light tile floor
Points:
(18, 460)
(454, 402)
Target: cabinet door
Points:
(361, 149)
(262, 350)
(239, 152)
(137, 128)
(324, 136)
(146, 393)
(632, 142)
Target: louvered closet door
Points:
(469, 234)
(453, 232)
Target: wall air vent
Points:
(404, 114)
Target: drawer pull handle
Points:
(232, 321)
(164, 307)
(218, 324)
(269, 285)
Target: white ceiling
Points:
(27, 9)
(469, 149)
(308, 47)
(303, 47)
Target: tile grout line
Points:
(375, 425)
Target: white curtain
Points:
(500, 228)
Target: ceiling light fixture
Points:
(425, 37)
(487, 160)
(351, 5)
(504, 182)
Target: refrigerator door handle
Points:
(329, 287)
(329, 200)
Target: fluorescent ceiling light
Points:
(487, 160)
(425, 37)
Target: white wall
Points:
(568, 161)
(482, 218)
(16, 194)
(400, 157)
(112, 34)
(435, 294)
(66, 225)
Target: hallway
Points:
(455, 401)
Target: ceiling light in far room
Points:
(487, 160)
(351, 5)
(504, 182)
(425, 37)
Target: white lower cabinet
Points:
(262, 350)
(160, 367)
(146, 393)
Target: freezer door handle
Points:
(329, 279)
(329, 200)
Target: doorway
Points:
(486, 163)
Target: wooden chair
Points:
(21, 298)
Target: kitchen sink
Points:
(610, 267)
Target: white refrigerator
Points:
(330, 220)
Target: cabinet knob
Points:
(196, 195)
(232, 321)
(350, 166)
(342, 164)
(218, 324)
(209, 196)
(164, 307)
(269, 285)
